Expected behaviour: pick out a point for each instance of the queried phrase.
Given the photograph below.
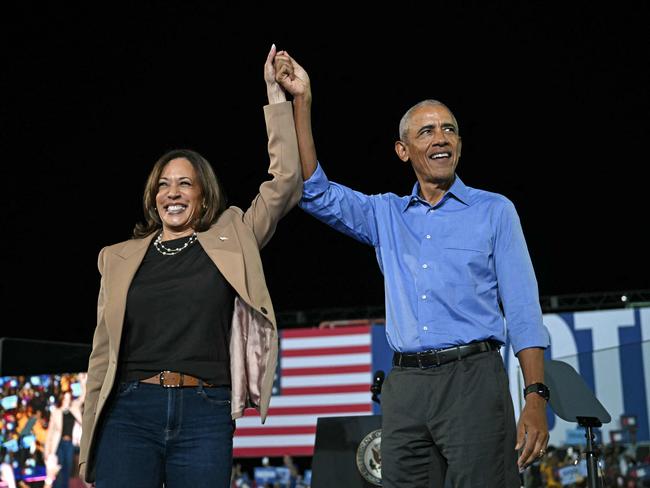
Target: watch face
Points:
(539, 388)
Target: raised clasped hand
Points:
(291, 76)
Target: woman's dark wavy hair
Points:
(214, 198)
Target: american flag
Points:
(321, 373)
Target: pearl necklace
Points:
(160, 247)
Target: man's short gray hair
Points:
(406, 118)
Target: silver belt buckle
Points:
(162, 380)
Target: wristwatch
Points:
(540, 388)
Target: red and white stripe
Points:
(324, 373)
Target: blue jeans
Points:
(64, 454)
(152, 435)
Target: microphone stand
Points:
(375, 389)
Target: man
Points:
(452, 257)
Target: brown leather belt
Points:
(438, 357)
(174, 379)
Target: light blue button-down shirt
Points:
(446, 267)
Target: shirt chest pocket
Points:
(465, 262)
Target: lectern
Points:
(572, 400)
(347, 452)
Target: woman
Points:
(186, 336)
(63, 435)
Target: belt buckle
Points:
(162, 380)
(418, 357)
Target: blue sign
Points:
(283, 475)
(9, 402)
(573, 473)
(575, 437)
(265, 474)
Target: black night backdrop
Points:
(552, 103)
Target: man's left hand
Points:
(532, 430)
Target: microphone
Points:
(375, 388)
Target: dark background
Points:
(552, 102)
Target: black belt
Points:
(438, 357)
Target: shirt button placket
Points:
(423, 296)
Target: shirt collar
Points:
(458, 190)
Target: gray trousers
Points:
(453, 423)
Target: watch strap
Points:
(539, 388)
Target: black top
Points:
(68, 424)
(178, 317)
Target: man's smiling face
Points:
(432, 144)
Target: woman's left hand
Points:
(273, 89)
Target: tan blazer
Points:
(233, 244)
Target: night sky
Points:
(552, 103)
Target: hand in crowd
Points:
(52, 468)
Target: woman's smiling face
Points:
(179, 198)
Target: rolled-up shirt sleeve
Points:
(517, 284)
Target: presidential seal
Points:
(369, 457)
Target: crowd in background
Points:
(619, 466)
(291, 473)
(27, 404)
